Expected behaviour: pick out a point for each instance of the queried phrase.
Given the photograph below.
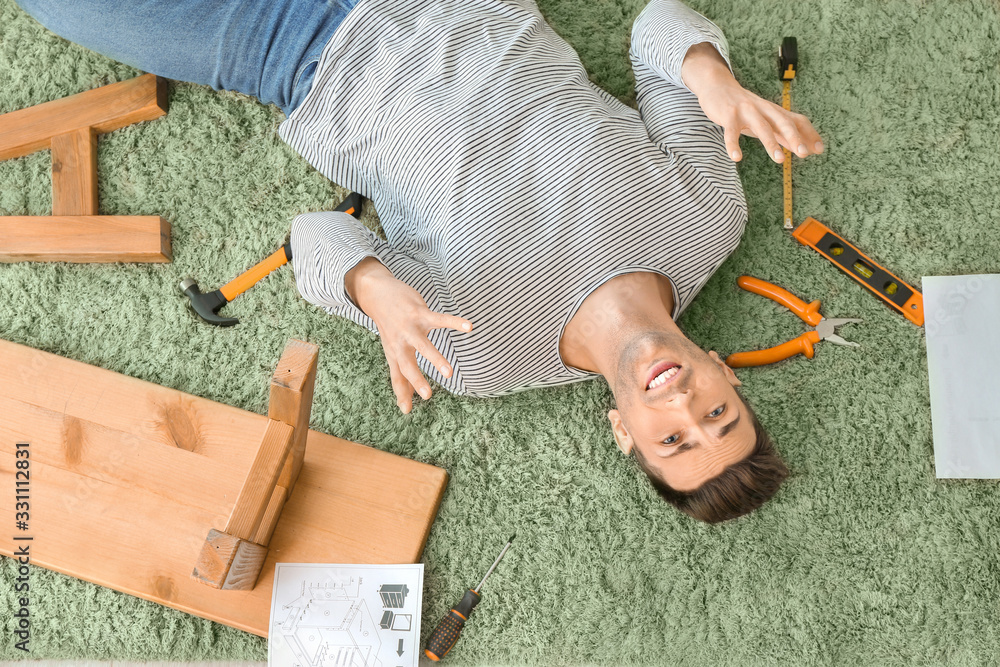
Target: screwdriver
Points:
(446, 633)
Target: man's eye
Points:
(671, 440)
(717, 412)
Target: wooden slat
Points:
(74, 173)
(98, 238)
(259, 484)
(105, 109)
(291, 400)
(154, 413)
(150, 537)
(95, 451)
(270, 519)
(384, 504)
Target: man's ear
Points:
(730, 375)
(622, 437)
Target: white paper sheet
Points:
(334, 614)
(962, 323)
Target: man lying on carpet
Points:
(514, 194)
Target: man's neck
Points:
(593, 339)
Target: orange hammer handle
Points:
(252, 276)
(801, 345)
(807, 312)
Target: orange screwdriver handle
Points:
(801, 345)
(807, 312)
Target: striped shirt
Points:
(508, 185)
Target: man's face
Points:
(679, 407)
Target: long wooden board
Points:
(84, 238)
(105, 109)
(127, 477)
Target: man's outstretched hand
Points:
(403, 321)
(738, 111)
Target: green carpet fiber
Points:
(862, 558)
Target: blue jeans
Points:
(265, 48)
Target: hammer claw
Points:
(207, 305)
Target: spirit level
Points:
(893, 291)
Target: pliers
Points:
(823, 329)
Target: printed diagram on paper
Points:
(345, 615)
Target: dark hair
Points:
(739, 489)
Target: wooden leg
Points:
(74, 172)
(291, 400)
(258, 486)
(215, 558)
(69, 126)
(270, 519)
(245, 570)
(232, 558)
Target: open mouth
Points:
(663, 374)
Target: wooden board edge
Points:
(106, 108)
(19, 244)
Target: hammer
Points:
(207, 304)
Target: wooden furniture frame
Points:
(128, 477)
(69, 127)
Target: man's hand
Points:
(403, 321)
(738, 111)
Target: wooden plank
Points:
(129, 539)
(73, 541)
(74, 172)
(257, 488)
(291, 400)
(351, 504)
(105, 109)
(382, 502)
(155, 414)
(94, 451)
(84, 238)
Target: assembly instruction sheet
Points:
(963, 353)
(345, 614)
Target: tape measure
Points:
(788, 63)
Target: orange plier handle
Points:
(808, 313)
(801, 345)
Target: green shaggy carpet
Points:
(862, 558)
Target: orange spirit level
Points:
(893, 291)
